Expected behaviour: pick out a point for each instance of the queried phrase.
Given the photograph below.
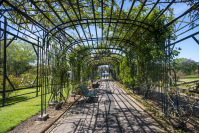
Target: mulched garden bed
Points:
(155, 103)
(33, 126)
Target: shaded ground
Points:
(110, 111)
(33, 126)
(156, 102)
(192, 125)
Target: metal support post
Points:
(37, 67)
(45, 78)
(169, 54)
(41, 52)
(4, 63)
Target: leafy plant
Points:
(157, 113)
(180, 131)
(19, 57)
(144, 102)
(27, 79)
(98, 77)
(163, 117)
(15, 82)
(149, 108)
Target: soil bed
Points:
(192, 125)
(33, 126)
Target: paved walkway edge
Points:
(144, 108)
(50, 125)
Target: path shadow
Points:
(107, 112)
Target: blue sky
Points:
(190, 49)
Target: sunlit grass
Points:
(190, 77)
(13, 115)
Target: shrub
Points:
(85, 83)
(78, 91)
(15, 82)
(27, 79)
(178, 76)
(97, 77)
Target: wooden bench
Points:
(95, 84)
(86, 91)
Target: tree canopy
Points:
(20, 58)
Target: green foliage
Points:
(149, 107)
(19, 56)
(194, 116)
(27, 79)
(180, 131)
(126, 75)
(163, 117)
(157, 113)
(140, 63)
(139, 100)
(79, 67)
(98, 77)
(184, 65)
(85, 83)
(144, 102)
(15, 82)
(154, 111)
(59, 68)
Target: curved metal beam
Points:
(114, 59)
(106, 21)
(97, 58)
(93, 39)
(100, 48)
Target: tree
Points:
(189, 66)
(144, 56)
(20, 55)
(185, 65)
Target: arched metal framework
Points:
(78, 26)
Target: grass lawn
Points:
(12, 115)
(190, 77)
(188, 80)
(187, 85)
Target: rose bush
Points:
(15, 82)
(27, 79)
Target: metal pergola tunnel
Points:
(51, 45)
